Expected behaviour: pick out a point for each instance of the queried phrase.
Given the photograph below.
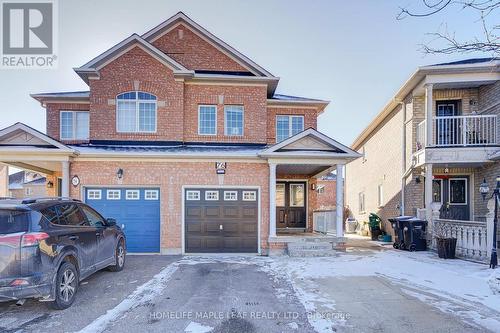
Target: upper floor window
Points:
(74, 125)
(207, 120)
(287, 126)
(136, 112)
(233, 120)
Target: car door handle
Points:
(73, 238)
(221, 227)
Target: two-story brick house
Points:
(184, 141)
(430, 148)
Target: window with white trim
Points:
(192, 195)
(233, 120)
(151, 194)
(361, 202)
(287, 126)
(28, 191)
(211, 195)
(74, 125)
(113, 194)
(380, 195)
(132, 194)
(136, 112)
(207, 120)
(249, 195)
(94, 194)
(230, 195)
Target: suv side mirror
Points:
(110, 222)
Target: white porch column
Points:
(65, 179)
(428, 194)
(272, 200)
(340, 201)
(428, 113)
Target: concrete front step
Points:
(311, 253)
(310, 246)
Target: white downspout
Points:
(403, 159)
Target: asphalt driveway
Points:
(258, 294)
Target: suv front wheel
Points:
(66, 286)
(119, 257)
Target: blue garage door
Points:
(138, 209)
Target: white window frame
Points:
(109, 195)
(148, 194)
(94, 194)
(74, 125)
(127, 192)
(242, 120)
(361, 203)
(137, 101)
(290, 117)
(380, 195)
(230, 195)
(249, 196)
(28, 191)
(440, 189)
(192, 195)
(466, 190)
(281, 186)
(199, 119)
(215, 198)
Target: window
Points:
(287, 126)
(94, 194)
(93, 217)
(113, 194)
(296, 195)
(136, 112)
(230, 195)
(74, 125)
(28, 191)
(193, 195)
(50, 214)
(280, 195)
(207, 120)
(233, 120)
(321, 189)
(212, 195)
(249, 195)
(458, 191)
(437, 190)
(151, 194)
(70, 214)
(380, 195)
(132, 195)
(361, 199)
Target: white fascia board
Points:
(35, 133)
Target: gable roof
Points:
(16, 180)
(38, 138)
(326, 147)
(92, 67)
(66, 96)
(239, 57)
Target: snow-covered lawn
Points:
(455, 287)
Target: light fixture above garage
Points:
(119, 173)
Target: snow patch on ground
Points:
(142, 295)
(194, 327)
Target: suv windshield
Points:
(12, 221)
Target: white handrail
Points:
(469, 130)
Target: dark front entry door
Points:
(448, 130)
(455, 197)
(291, 205)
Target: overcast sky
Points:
(352, 53)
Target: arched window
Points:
(136, 112)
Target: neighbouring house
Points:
(4, 180)
(427, 152)
(24, 184)
(186, 143)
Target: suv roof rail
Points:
(34, 200)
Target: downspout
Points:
(403, 159)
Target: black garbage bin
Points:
(398, 224)
(414, 232)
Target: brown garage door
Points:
(221, 220)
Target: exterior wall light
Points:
(50, 184)
(119, 173)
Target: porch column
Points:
(428, 195)
(340, 201)
(428, 114)
(272, 200)
(65, 179)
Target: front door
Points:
(455, 197)
(291, 205)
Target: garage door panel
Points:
(140, 217)
(239, 219)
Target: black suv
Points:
(47, 246)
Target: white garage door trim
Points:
(103, 195)
(184, 187)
